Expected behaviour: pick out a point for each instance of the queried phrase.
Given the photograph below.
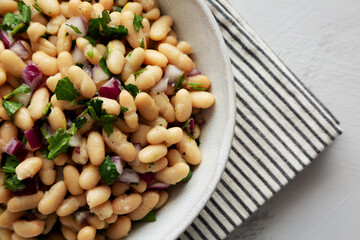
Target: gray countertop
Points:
(319, 40)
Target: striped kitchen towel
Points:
(280, 128)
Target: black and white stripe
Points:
(280, 128)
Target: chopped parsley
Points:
(36, 6)
(139, 72)
(90, 54)
(106, 53)
(17, 23)
(65, 90)
(133, 89)
(103, 66)
(130, 53)
(186, 126)
(80, 65)
(10, 164)
(11, 107)
(150, 217)
(196, 86)
(179, 82)
(124, 109)
(11, 181)
(108, 120)
(118, 9)
(187, 178)
(58, 143)
(74, 28)
(79, 121)
(142, 44)
(47, 111)
(137, 22)
(21, 89)
(91, 40)
(108, 171)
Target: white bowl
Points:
(194, 23)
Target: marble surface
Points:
(319, 40)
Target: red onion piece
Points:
(136, 162)
(191, 125)
(193, 72)
(111, 89)
(17, 148)
(77, 150)
(128, 176)
(98, 75)
(173, 73)
(34, 138)
(159, 186)
(6, 38)
(32, 76)
(81, 216)
(148, 177)
(118, 163)
(18, 48)
(160, 86)
(31, 187)
(77, 22)
(78, 56)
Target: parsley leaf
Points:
(80, 65)
(178, 84)
(187, 178)
(124, 109)
(108, 120)
(108, 171)
(10, 164)
(74, 28)
(79, 121)
(36, 6)
(103, 66)
(17, 23)
(65, 90)
(106, 16)
(130, 53)
(150, 217)
(13, 183)
(11, 107)
(142, 44)
(58, 144)
(133, 89)
(138, 72)
(91, 40)
(137, 22)
(21, 89)
(47, 111)
(95, 109)
(90, 54)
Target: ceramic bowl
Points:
(194, 23)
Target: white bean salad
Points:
(100, 113)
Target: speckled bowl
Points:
(194, 23)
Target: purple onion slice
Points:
(18, 48)
(31, 187)
(34, 138)
(160, 86)
(17, 148)
(32, 76)
(159, 186)
(111, 89)
(193, 72)
(128, 176)
(148, 177)
(6, 38)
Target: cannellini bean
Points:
(61, 159)
(80, 154)
(28, 168)
(89, 177)
(133, 7)
(57, 118)
(7, 218)
(98, 195)
(64, 41)
(160, 121)
(82, 81)
(103, 211)
(146, 106)
(68, 233)
(86, 10)
(119, 188)
(134, 38)
(153, 57)
(52, 81)
(86, 233)
(140, 135)
(12, 63)
(111, 219)
(47, 64)
(63, 104)
(7, 6)
(174, 156)
(174, 174)
(117, 142)
(70, 222)
(54, 24)
(49, 7)
(153, 14)
(95, 222)
(161, 27)
(28, 229)
(139, 187)
(5, 194)
(201, 99)
(50, 221)
(65, 61)
(189, 149)
(98, 8)
(70, 205)
(163, 198)
(7, 131)
(198, 81)
(115, 60)
(71, 179)
(3, 76)
(38, 103)
(165, 107)
(22, 203)
(133, 61)
(35, 31)
(5, 234)
(120, 228)
(91, 53)
(96, 148)
(160, 134)
(130, 116)
(125, 204)
(149, 201)
(147, 78)
(52, 198)
(176, 57)
(152, 153)
(185, 47)
(111, 106)
(123, 127)
(22, 119)
(183, 105)
(151, 167)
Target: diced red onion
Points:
(80, 23)
(78, 56)
(18, 48)
(173, 73)
(34, 138)
(191, 125)
(6, 38)
(17, 148)
(32, 76)
(23, 98)
(87, 68)
(160, 86)
(77, 150)
(159, 186)
(31, 187)
(148, 177)
(128, 176)
(98, 75)
(81, 216)
(75, 141)
(194, 72)
(136, 162)
(118, 163)
(111, 89)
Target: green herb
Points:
(103, 66)
(124, 109)
(36, 6)
(58, 144)
(65, 90)
(91, 40)
(137, 22)
(130, 53)
(72, 129)
(46, 35)
(198, 141)
(17, 23)
(106, 16)
(82, 102)
(106, 53)
(44, 152)
(118, 9)
(67, 34)
(74, 28)
(142, 44)
(90, 54)
(138, 72)
(196, 86)
(108, 171)
(21, 89)
(150, 217)
(11, 107)
(179, 82)
(187, 178)
(108, 123)
(79, 122)
(80, 65)
(47, 110)
(95, 109)
(108, 128)
(10, 164)
(13, 183)
(133, 89)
